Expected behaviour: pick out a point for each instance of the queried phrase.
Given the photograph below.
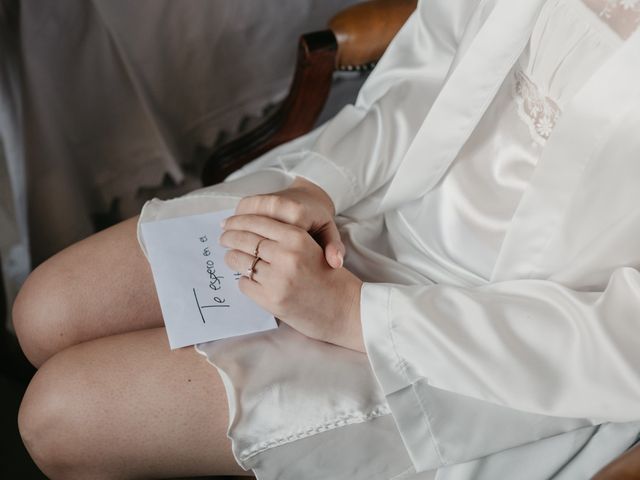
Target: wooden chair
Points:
(355, 40)
(357, 37)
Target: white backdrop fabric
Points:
(100, 98)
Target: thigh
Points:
(126, 406)
(97, 287)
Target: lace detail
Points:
(538, 111)
(623, 16)
(611, 6)
(347, 419)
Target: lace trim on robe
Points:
(623, 16)
(538, 111)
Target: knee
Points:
(49, 426)
(41, 313)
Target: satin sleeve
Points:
(359, 150)
(530, 345)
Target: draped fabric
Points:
(107, 101)
(14, 254)
(485, 187)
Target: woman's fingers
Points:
(277, 207)
(253, 290)
(283, 233)
(329, 239)
(248, 242)
(242, 262)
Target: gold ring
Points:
(252, 269)
(256, 252)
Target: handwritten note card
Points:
(198, 293)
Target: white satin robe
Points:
(529, 373)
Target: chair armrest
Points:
(362, 34)
(293, 118)
(364, 31)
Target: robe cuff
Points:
(337, 182)
(389, 368)
(440, 427)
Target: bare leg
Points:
(98, 287)
(120, 405)
(125, 406)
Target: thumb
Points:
(329, 240)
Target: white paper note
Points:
(198, 293)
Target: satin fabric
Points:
(453, 234)
(505, 356)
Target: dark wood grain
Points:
(365, 30)
(295, 116)
(358, 37)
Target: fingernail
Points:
(340, 259)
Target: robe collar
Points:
(588, 121)
(466, 95)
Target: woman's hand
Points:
(293, 281)
(303, 205)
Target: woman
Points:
(489, 300)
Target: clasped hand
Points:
(298, 279)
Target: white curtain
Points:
(14, 250)
(107, 100)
